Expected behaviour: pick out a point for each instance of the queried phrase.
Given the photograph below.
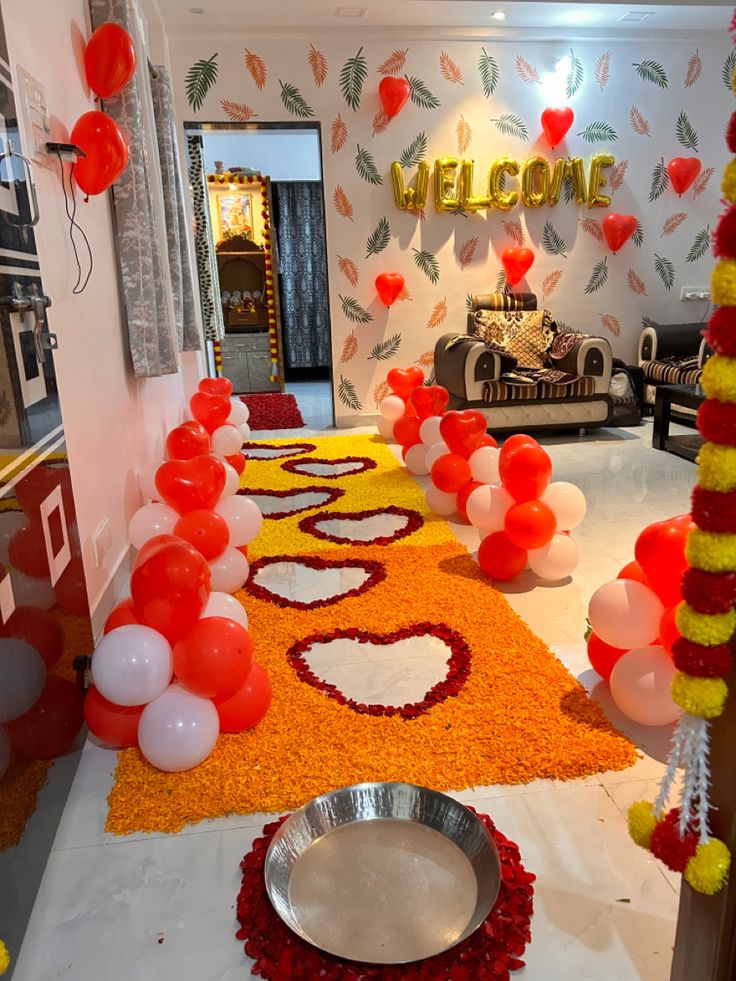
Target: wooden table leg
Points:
(662, 416)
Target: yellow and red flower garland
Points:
(273, 340)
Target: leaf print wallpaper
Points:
(644, 102)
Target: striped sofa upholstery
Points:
(671, 354)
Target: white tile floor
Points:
(151, 907)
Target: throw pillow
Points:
(526, 334)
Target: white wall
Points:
(282, 155)
(113, 422)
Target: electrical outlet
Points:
(694, 293)
(35, 113)
(101, 541)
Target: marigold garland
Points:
(703, 628)
(721, 331)
(717, 422)
(701, 661)
(711, 551)
(714, 511)
(704, 697)
(4, 958)
(709, 592)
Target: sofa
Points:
(671, 354)
(521, 371)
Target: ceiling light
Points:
(350, 12)
(637, 15)
(499, 15)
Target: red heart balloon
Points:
(169, 586)
(556, 124)
(517, 263)
(683, 172)
(463, 431)
(216, 386)
(389, 287)
(403, 381)
(393, 92)
(106, 151)
(211, 410)
(191, 485)
(429, 400)
(185, 442)
(618, 229)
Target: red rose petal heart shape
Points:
(683, 172)
(556, 124)
(618, 229)
(463, 431)
(393, 93)
(389, 287)
(216, 386)
(517, 263)
(403, 381)
(429, 400)
(210, 410)
(191, 485)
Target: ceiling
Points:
(464, 17)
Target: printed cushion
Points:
(526, 334)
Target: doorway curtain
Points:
(305, 313)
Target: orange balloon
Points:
(500, 559)
(450, 473)
(531, 524)
(602, 656)
(248, 705)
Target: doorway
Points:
(271, 170)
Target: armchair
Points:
(671, 354)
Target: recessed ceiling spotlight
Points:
(637, 15)
(350, 12)
(499, 15)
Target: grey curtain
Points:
(185, 315)
(209, 286)
(305, 316)
(143, 265)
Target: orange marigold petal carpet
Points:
(518, 716)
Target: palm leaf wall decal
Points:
(552, 241)
(256, 67)
(700, 246)
(685, 132)
(349, 269)
(509, 124)
(466, 252)
(464, 135)
(665, 269)
(354, 311)
(342, 204)
(420, 95)
(239, 112)
(294, 102)
(427, 262)
(438, 314)
(513, 229)
(347, 394)
(636, 283)
(639, 124)
(338, 134)
(379, 238)
(694, 70)
(394, 63)
(660, 181)
(200, 78)
(575, 75)
(603, 69)
(652, 71)
(489, 73)
(450, 70)
(598, 277)
(384, 350)
(729, 67)
(366, 166)
(352, 78)
(318, 65)
(349, 348)
(599, 132)
(415, 152)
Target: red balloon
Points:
(206, 530)
(683, 172)
(237, 462)
(462, 498)
(106, 150)
(27, 551)
(109, 59)
(518, 439)
(632, 570)
(668, 632)
(429, 400)
(618, 229)
(38, 628)
(33, 489)
(191, 485)
(116, 725)
(185, 442)
(393, 93)
(517, 262)
(450, 473)
(211, 410)
(530, 525)
(389, 287)
(248, 705)
(406, 431)
(463, 431)
(70, 589)
(121, 616)
(488, 440)
(170, 586)
(602, 656)
(525, 470)
(216, 386)
(499, 558)
(214, 658)
(660, 551)
(403, 381)
(50, 727)
(556, 124)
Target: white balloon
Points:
(429, 431)
(392, 407)
(435, 451)
(239, 413)
(556, 560)
(4, 752)
(229, 571)
(640, 686)
(416, 461)
(226, 440)
(244, 431)
(625, 614)
(224, 605)
(132, 665)
(567, 503)
(30, 591)
(22, 677)
(386, 427)
(10, 522)
(484, 465)
(178, 730)
(147, 480)
(487, 506)
(440, 502)
(149, 521)
(232, 481)
(243, 516)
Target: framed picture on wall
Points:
(236, 215)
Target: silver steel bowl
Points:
(385, 873)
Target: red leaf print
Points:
(339, 134)
(694, 70)
(349, 348)
(380, 392)
(703, 181)
(257, 68)
(513, 229)
(550, 283)
(349, 270)
(467, 251)
(464, 135)
(405, 294)
(380, 121)
(438, 314)
(318, 64)
(673, 223)
(617, 174)
(426, 360)
(527, 72)
(239, 112)
(342, 205)
(419, 213)
(603, 69)
(450, 70)
(638, 123)
(611, 323)
(593, 227)
(394, 63)
(636, 284)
